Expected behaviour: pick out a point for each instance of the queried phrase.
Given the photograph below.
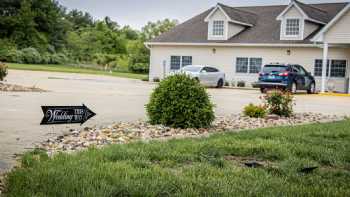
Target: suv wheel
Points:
(293, 88)
(312, 89)
(220, 83)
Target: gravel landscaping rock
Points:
(121, 133)
(17, 88)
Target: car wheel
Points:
(312, 89)
(293, 88)
(220, 83)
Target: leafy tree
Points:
(79, 19)
(152, 30)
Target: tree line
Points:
(45, 32)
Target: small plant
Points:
(31, 56)
(227, 83)
(255, 111)
(279, 103)
(241, 84)
(3, 71)
(156, 79)
(180, 102)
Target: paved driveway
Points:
(113, 99)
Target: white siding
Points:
(309, 28)
(234, 29)
(225, 59)
(340, 31)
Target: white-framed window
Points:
(248, 65)
(337, 68)
(218, 28)
(186, 60)
(292, 27)
(177, 62)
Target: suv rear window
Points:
(274, 68)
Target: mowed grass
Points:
(199, 167)
(74, 69)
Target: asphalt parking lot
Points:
(113, 99)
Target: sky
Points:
(137, 13)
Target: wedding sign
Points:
(66, 115)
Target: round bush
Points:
(139, 68)
(31, 56)
(3, 71)
(180, 102)
(45, 58)
(59, 58)
(14, 56)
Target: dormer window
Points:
(292, 27)
(218, 28)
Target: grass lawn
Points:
(199, 167)
(73, 69)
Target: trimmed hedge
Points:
(180, 102)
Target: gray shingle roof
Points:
(314, 12)
(266, 28)
(239, 15)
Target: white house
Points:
(240, 40)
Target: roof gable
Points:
(319, 36)
(233, 15)
(309, 12)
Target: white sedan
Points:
(206, 75)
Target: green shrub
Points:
(12, 55)
(31, 56)
(3, 71)
(156, 79)
(180, 102)
(279, 103)
(139, 68)
(241, 84)
(6, 46)
(255, 111)
(46, 58)
(59, 58)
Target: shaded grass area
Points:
(199, 167)
(74, 69)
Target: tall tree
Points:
(152, 30)
(80, 19)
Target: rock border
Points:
(4, 87)
(124, 132)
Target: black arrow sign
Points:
(66, 114)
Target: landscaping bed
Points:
(122, 133)
(220, 165)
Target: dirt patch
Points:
(18, 88)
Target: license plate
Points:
(272, 77)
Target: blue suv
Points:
(290, 77)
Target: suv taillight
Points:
(284, 74)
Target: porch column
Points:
(324, 67)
